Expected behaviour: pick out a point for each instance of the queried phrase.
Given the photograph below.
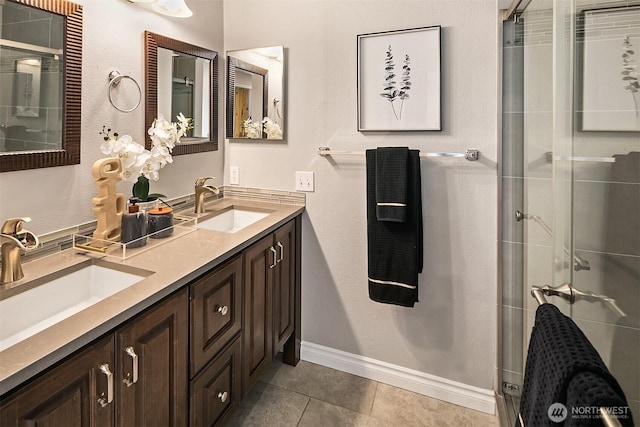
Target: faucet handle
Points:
(14, 225)
(200, 181)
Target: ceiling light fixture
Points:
(173, 8)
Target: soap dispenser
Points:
(134, 226)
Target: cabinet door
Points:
(284, 285)
(215, 391)
(151, 361)
(68, 395)
(216, 312)
(259, 261)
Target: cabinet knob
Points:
(223, 310)
(223, 395)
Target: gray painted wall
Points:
(451, 333)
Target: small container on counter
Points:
(160, 222)
(134, 226)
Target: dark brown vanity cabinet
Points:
(188, 359)
(215, 362)
(72, 394)
(271, 269)
(135, 376)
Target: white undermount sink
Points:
(232, 220)
(59, 296)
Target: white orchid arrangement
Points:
(139, 165)
(254, 129)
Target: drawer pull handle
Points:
(134, 361)
(281, 251)
(223, 310)
(273, 251)
(223, 395)
(102, 401)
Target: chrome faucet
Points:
(15, 239)
(202, 190)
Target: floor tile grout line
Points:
(373, 401)
(303, 411)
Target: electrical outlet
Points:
(234, 175)
(304, 181)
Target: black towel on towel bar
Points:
(395, 248)
(558, 358)
(392, 183)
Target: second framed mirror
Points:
(255, 93)
(183, 78)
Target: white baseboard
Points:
(419, 382)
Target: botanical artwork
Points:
(391, 92)
(630, 72)
(610, 80)
(399, 80)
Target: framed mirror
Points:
(182, 78)
(255, 93)
(41, 80)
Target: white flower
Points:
(135, 159)
(252, 129)
(271, 128)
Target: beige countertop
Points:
(172, 265)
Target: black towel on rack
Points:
(395, 248)
(559, 353)
(392, 177)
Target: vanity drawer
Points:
(216, 312)
(215, 391)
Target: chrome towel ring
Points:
(114, 80)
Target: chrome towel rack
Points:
(470, 155)
(570, 295)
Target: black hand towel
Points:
(558, 353)
(392, 178)
(395, 248)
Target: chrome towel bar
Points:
(470, 155)
(570, 294)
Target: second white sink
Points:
(58, 297)
(232, 220)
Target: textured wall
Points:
(60, 197)
(451, 332)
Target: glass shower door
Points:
(571, 180)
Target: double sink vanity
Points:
(174, 335)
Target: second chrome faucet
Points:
(201, 190)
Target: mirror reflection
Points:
(255, 93)
(183, 87)
(182, 78)
(40, 61)
(31, 78)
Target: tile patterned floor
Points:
(310, 395)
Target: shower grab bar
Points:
(579, 263)
(470, 155)
(568, 293)
(571, 294)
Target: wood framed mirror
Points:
(255, 94)
(42, 128)
(181, 77)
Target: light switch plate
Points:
(304, 181)
(234, 175)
